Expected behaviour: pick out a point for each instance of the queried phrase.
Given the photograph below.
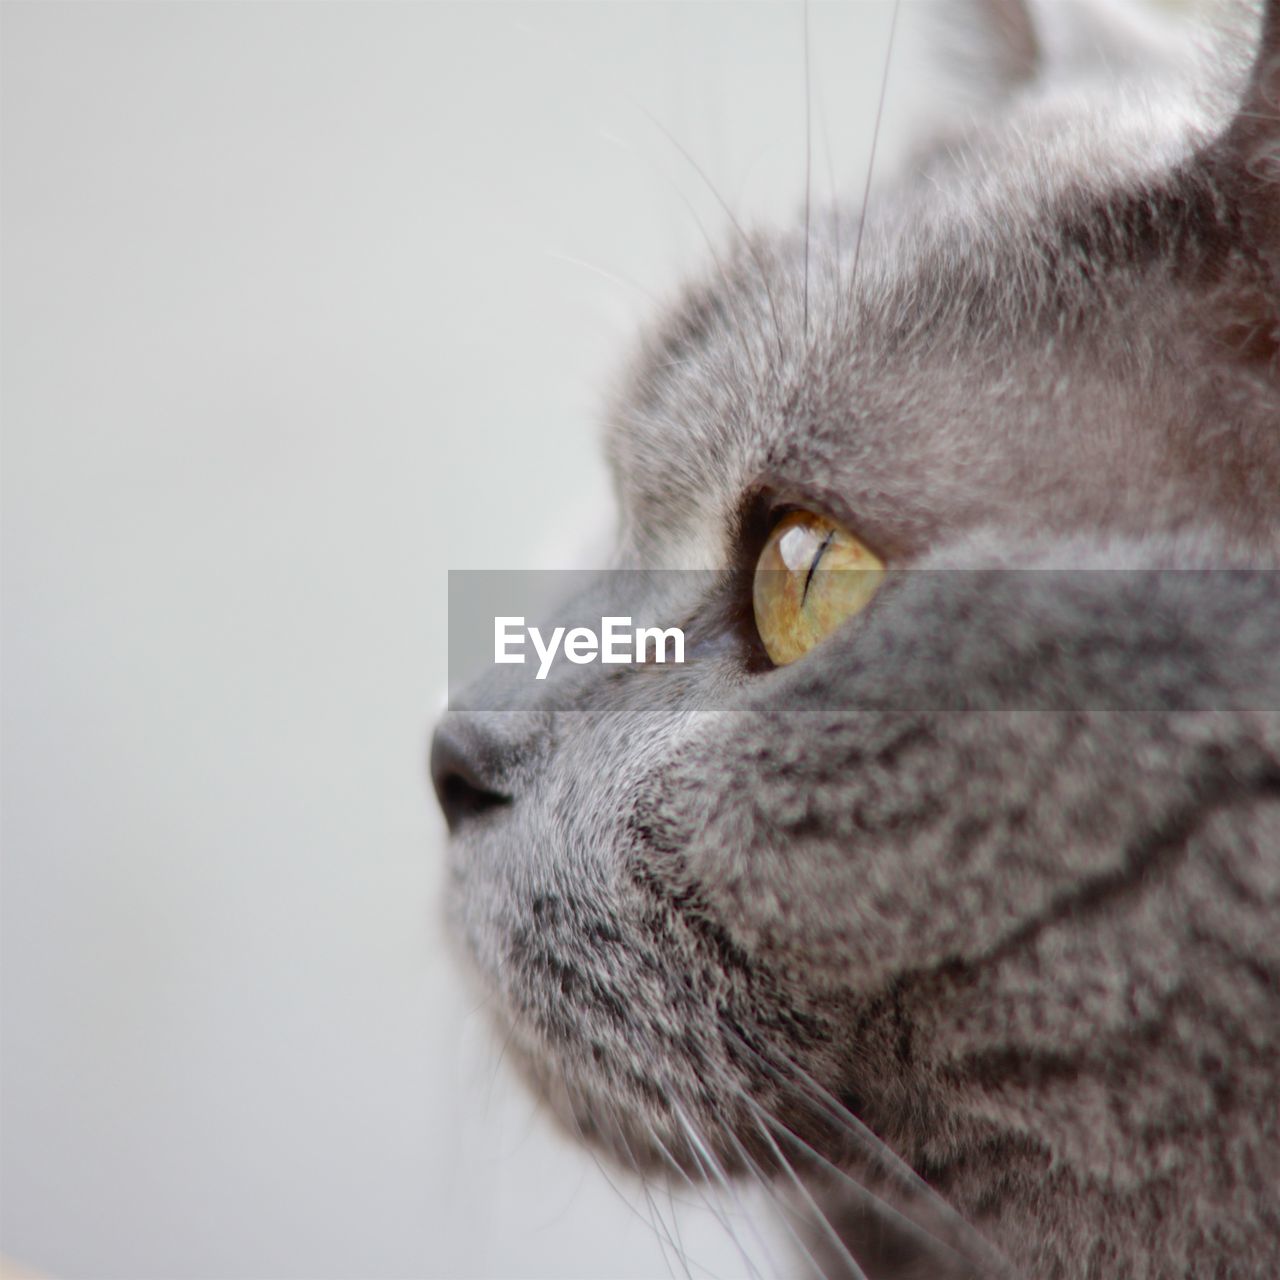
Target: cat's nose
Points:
(465, 772)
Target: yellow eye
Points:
(811, 576)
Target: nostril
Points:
(464, 788)
(461, 799)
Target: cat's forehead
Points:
(906, 361)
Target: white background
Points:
(304, 304)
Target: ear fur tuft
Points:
(1014, 39)
(1253, 138)
(1245, 159)
(1011, 44)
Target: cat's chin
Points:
(775, 1142)
(731, 1120)
(633, 1122)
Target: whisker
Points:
(786, 1211)
(488, 999)
(717, 1212)
(824, 1224)
(740, 329)
(714, 1170)
(497, 1066)
(825, 130)
(783, 1071)
(880, 1156)
(625, 281)
(875, 139)
(747, 242)
(808, 163)
(876, 1203)
(682, 1253)
(570, 1095)
(656, 1216)
(663, 1232)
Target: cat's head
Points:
(1048, 353)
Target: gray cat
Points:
(945, 901)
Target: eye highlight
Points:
(811, 575)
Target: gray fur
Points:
(994, 871)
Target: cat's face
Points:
(715, 899)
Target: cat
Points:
(954, 916)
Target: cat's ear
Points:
(993, 46)
(1011, 44)
(1011, 38)
(1244, 166)
(1246, 156)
